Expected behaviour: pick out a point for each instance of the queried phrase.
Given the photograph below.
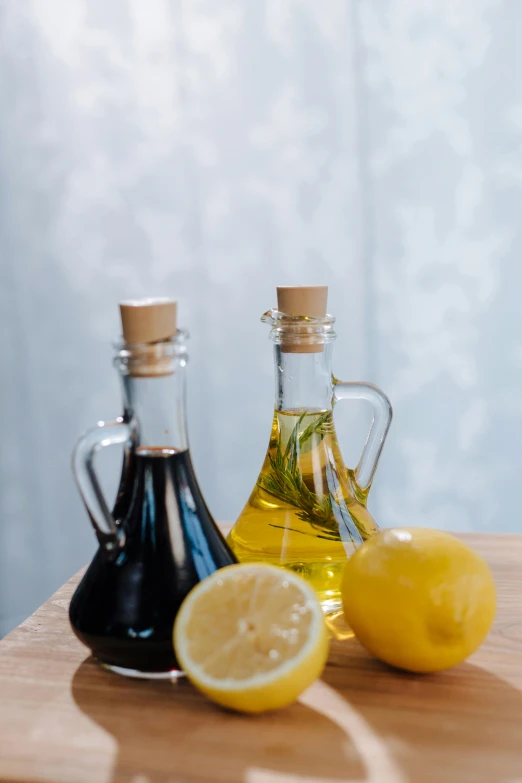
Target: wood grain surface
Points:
(62, 718)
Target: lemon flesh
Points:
(252, 637)
(418, 599)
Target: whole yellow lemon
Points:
(418, 599)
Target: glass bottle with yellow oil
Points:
(307, 511)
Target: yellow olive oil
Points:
(306, 512)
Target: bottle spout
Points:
(276, 318)
(299, 333)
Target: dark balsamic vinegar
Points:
(125, 606)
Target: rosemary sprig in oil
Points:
(285, 480)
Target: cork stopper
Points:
(309, 300)
(148, 325)
(148, 320)
(303, 300)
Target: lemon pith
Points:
(418, 599)
(251, 637)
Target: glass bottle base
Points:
(331, 605)
(173, 674)
(334, 619)
(337, 625)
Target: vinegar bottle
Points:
(307, 511)
(160, 539)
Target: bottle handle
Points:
(110, 535)
(382, 417)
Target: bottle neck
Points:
(156, 408)
(153, 385)
(303, 380)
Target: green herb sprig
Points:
(285, 480)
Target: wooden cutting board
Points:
(62, 718)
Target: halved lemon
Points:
(251, 637)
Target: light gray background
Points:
(211, 150)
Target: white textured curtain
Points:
(211, 150)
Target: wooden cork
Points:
(303, 300)
(148, 320)
(147, 324)
(307, 300)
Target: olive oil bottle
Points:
(307, 511)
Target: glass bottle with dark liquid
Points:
(160, 539)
